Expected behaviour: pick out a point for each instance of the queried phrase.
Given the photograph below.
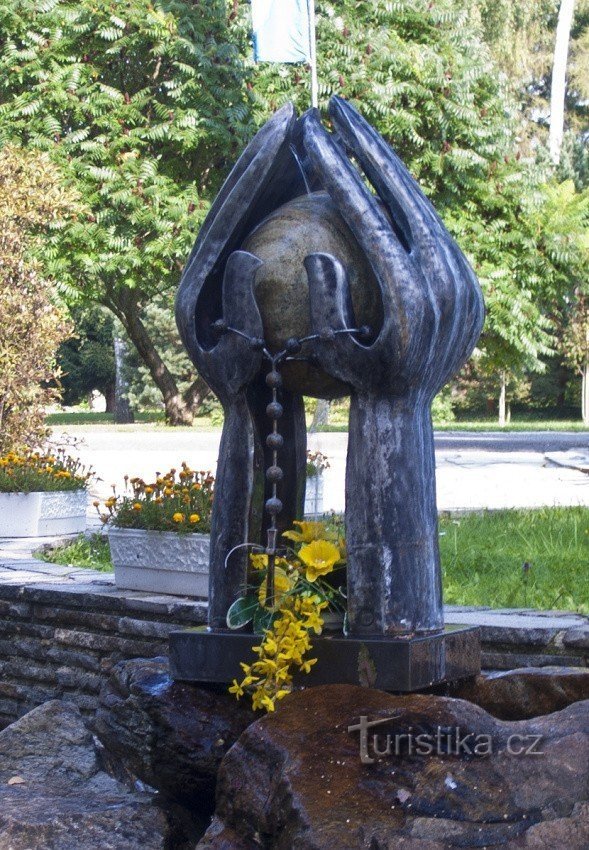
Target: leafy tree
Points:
(87, 359)
(142, 106)
(424, 76)
(31, 323)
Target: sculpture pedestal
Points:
(391, 664)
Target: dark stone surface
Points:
(295, 779)
(170, 735)
(55, 795)
(528, 692)
(403, 664)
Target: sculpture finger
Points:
(452, 291)
(400, 281)
(410, 209)
(338, 351)
(265, 176)
(233, 362)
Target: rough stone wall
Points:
(60, 644)
(61, 640)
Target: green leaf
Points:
(242, 611)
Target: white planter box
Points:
(160, 561)
(42, 514)
(314, 496)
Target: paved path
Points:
(472, 473)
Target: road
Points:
(474, 470)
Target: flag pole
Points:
(313, 46)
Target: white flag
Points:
(282, 31)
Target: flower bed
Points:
(159, 533)
(41, 495)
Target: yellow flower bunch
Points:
(177, 501)
(283, 648)
(35, 472)
(301, 594)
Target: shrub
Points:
(32, 325)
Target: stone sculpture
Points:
(299, 265)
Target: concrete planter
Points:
(42, 514)
(314, 496)
(160, 561)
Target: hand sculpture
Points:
(432, 314)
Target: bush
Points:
(32, 325)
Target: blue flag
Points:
(281, 31)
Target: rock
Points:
(528, 692)
(297, 779)
(54, 794)
(309, 224)
(171, 735)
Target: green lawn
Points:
(338, 422)
(483, 557)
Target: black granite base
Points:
(392, 664)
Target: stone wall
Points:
(61, 643)
(62, 629)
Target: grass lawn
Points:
(338, 421)
(483, 557)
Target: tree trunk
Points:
(585, 393)
(321, 415)
(123, 415)
(502, 400)
(558, 85)
(176, 410)
(195, 395)
(109, 397)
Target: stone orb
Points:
(307, 225)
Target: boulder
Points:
(171, 735)
(525, 693)
(448, 775)
(54, 794)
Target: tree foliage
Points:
(142, 105)
(31, 324)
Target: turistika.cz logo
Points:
(439, 742)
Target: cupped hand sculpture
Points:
(429, 318)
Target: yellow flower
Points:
(137, 506)
(319, 557)
(178, 517)
(259, 562)
(194, 518)
(282, 584)
(309, 531)
(236, 689)
(148, 491)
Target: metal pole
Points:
(313, 47)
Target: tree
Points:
(31, 323)
(86, 360)
(143, 107)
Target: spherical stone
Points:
(307, 225)
(275, 441)
(273, 506)
(274, 474)
(274, 379)
(274, 410)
